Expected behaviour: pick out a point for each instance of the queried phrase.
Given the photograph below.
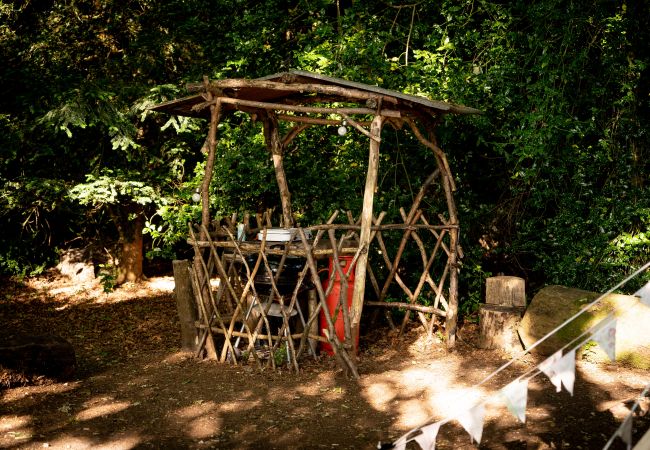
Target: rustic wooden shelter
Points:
(237, 254)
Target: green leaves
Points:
(109, 189)
(560, 153)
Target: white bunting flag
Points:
(561, 370)
(606, 338)
(515, 397)
(427, 439)
(565, 370)
(472, 421)
(548, 367)
(644, 293)
(625, 430)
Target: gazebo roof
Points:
(297, 87)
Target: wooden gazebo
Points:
(236, 255)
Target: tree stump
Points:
(29, 359)
(185, 305)
(498, 327)
(505, 291)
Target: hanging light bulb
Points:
(343, 129)
(196, 196)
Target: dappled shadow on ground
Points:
(135, 391)
(181, 403)
(104, 329)
(427, 389)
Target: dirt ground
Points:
(133, 389)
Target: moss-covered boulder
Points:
(555, 304)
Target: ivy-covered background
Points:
(552, 178)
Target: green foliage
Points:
(109, 189)
(552, 178)
(107, 277)
(472, 283)
(280, 355)
(30, 209)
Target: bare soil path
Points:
(135, 390)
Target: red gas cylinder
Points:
(333, 300)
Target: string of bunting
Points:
(559, 368)
(624, 431)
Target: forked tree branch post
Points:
(366, 223)
(215, 115)
(274, 145)
(204, 284)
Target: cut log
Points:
(29, 359)
(505, 291)
(185, 305)
(498, 327)
(77, 264)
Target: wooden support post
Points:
(452, 309)
(204, 284)
(366, 223)
(215, 113)
(449, 186)
(451, 321)
(185, 305)
(312, 299)
(274, 145)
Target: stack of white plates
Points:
(282, 234)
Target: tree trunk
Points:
(498, 327)
(129, 267)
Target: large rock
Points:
(555, 304)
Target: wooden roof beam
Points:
(307, 109)
(219, 85)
